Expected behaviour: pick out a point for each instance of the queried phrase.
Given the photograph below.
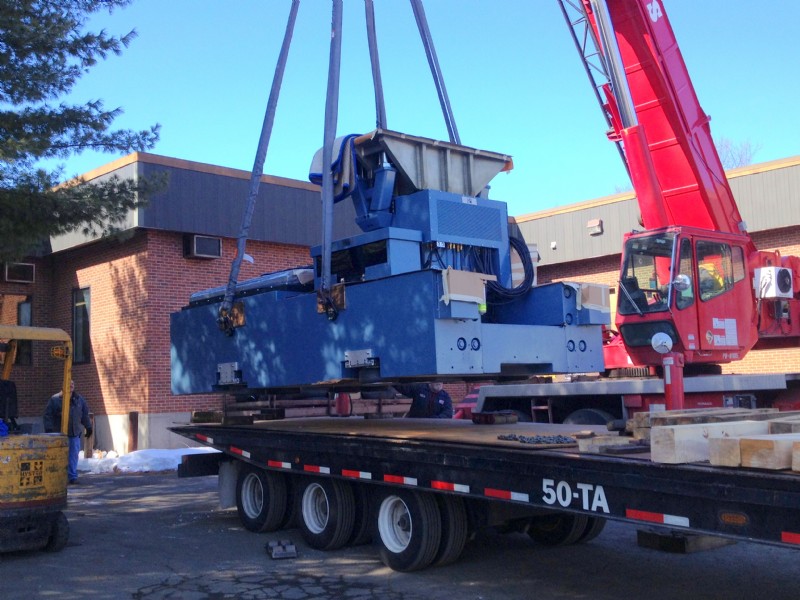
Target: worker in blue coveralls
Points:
(78, 420)
(428, 401)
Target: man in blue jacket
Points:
(428, 401)
(78, 420)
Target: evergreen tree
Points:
(44, 50)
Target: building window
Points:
(81, 303)
(24, 347)
(15, 309)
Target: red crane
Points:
(692, 284)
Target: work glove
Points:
(89, 432)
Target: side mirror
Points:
(682, 282)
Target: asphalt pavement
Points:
(155, 536)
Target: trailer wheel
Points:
(588, 416)
(327, 513)
(59, 535)
(410, 529)
(593, 529)
(289, 520)
(455, 528)
(260, 499)
(559, 529)
(363, 527)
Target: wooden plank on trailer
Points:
(785, 425)
(796, 456)
(678, 444)
(724, 451)
(720, 415)
(768, 451)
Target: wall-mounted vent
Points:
(20, 272)
(202, 246)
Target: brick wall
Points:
(135, 283)
(605, 270)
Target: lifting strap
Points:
(223, 319)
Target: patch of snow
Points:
(141, 461)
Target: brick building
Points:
(114, 295)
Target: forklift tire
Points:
(59, 535)
(593, 529)
(260, 499)
(409, 530)
(558, 529)
(327, 513)
(455, 528)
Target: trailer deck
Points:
(468, 460)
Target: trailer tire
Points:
(260, 499)
(327, 513)
(59, 534)
(455, 527)
(289, 520)
(364, 521)
(558, 529)
(588, 416)
(593, 529)
(409, 530)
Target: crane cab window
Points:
(719, 266)
(685, 298)
(644, 282)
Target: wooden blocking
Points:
(711, 415)
(785, 425)
(609, 444)
(678, 444)
(724, 451)
(678, 541)
(768, 451)
(796, 456)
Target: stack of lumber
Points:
(760, 438)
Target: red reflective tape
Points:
(278, 464)
(317, 469)
(443, 485)
(349, 473)
(236, 450)
(492, 493)
(643, 515)
(789, 537)
(202, 438)
(400, 479)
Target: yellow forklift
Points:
(33, 467)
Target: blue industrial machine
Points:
(425, 292)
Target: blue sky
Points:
(203, 70)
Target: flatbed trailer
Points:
(423, 485)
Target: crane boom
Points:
(694, 189)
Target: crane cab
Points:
(690, 284)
